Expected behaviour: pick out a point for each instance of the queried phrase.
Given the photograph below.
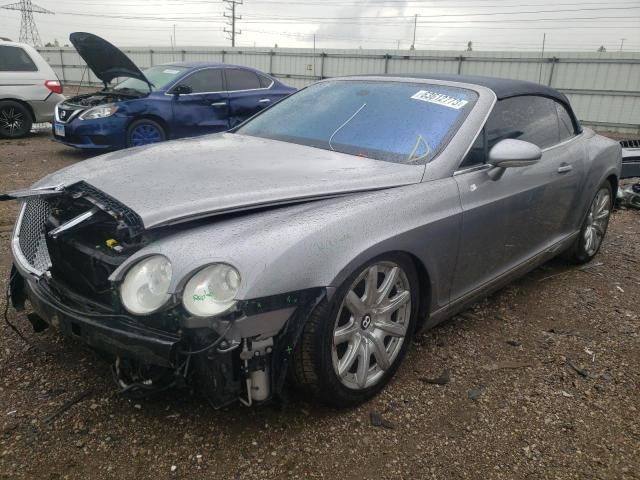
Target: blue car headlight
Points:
(102, 111)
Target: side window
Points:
(241, 80)
(477, 154)
(530, 118)
(564, 122)
(265, 81)
(205, 81)
(15, 59)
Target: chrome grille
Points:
(65, 114)
(31, 234)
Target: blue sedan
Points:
(163, 102)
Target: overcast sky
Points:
(389, 24)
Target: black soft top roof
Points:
(502, 87)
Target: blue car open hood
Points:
(105, 60)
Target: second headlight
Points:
(212, 290)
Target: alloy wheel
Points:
(597, 221)
(371, 325)
(11, 121)
(144, 134)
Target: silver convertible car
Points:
(310, 243)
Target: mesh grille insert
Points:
(31, 237)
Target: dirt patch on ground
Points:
(544, 382)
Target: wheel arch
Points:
(24, 104)
(425, 286)
(613, 181)
(150, 116)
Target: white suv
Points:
(29, 89)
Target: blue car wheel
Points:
(143, 132)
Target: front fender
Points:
(318, 244)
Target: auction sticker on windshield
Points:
(439, 99)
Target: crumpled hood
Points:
(105, 60)
(176, 181)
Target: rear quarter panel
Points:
(603, 159)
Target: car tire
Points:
(594, 227)
(144, 132)
(15, 119)
(336, 373)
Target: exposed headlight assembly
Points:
(146, 285)
(212, 290)
(102, 111)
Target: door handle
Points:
(219, 104)
(565, 168)
(264, 100)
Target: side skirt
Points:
(507, 277)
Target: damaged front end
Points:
(67, 244)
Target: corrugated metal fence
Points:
(604, 88)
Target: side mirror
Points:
(182, 90)
(511, 153)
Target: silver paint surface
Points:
(462, 227)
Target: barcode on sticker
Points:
(440, 99)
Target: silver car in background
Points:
(312, 241)
(29, 89)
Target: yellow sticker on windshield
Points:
(440, 99)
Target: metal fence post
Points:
(183, 54)
(151, 57)
(223, 52)
(271, 54)
(386, 62)
(322, 56)
(553, 61)
(460, 60)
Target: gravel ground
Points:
(544, 382)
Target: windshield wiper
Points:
(344, 125)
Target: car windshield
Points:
(159, 76)
(391, 121)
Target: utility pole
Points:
(28, 30)
(415, 26)
(544, 41)
(173, 43)
(622, 43)
(314, 56)
(231, 6)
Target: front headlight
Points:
(212, 290)
(146, 285)
(99, 112)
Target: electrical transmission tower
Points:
(28, 30)
(231, 20)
